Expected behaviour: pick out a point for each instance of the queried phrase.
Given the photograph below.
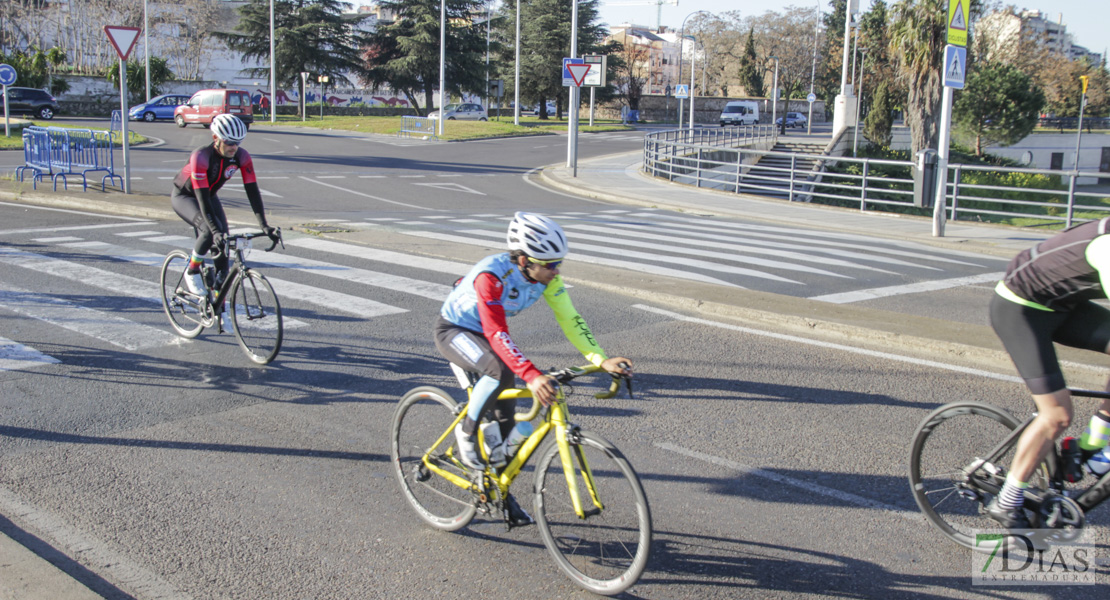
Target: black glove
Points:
(273, 233)
(218, 238)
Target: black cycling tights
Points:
(188, 208)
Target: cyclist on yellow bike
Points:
(472, 332)
(1047, 296)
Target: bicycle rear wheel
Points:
(422, 416)
(256, 316)
(608, 550)
(946, 447)
(183, 312)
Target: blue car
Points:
(160, 107)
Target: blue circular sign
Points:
(7, 74)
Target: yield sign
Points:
(578, 72)
(123, 39)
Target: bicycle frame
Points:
(1090, 498)
(555, 420)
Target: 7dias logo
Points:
(1033, 558)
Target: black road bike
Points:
(958, 463)
(249, 299)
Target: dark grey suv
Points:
(33, 102)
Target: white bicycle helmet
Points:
(229, 128)
(537, 236)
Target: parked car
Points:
(551, 109)
(740, 112)
(204, 105)
(793, 119)
(33, 102)
(462, 112)
(159, 107)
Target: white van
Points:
(740, 112)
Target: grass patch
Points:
(15, 140)
(453, 130)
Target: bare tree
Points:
(633, 74)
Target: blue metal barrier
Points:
(58, 152)
(413, 126)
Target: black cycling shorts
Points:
(472, 351)
(188, 208)
(1028, 334)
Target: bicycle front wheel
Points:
(421, 418)
(256, 316)
(947, 447)
(183, 312)
(606, 551)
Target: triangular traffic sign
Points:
(578, 72)
(123, 39)
(958, 17)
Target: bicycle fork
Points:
(566, 437)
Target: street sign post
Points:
(123, 40)
(7, 77)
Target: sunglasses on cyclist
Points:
(550, 265)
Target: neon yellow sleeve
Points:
(574, 326)
(1098, 256)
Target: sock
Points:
(1013, 493)
(1097, 435)
(479, 399)
(194, 263)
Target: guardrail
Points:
(1061, 123)
(974, 192)
(422, 127)
(58, 153)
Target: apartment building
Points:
(1003, 32)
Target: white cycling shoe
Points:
(468, 449)
(194, 282)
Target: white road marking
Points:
(107, 327)
(378, 198)
(453, 187)
(912, 288)
(687, 262)
(55, 240)
(15, 356)
(804, 485)
(138, 233)
(72, 228)
(574, 256)
(387, 256)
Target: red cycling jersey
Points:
(496, 328)
(208, 169)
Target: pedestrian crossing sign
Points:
(955, 66)
(957, 22)
(681, 91)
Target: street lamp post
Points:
(516, 71)
(813, 69)
(681, 44)
(859, 100)
(146, 47)
(273, 73)
(323, 80)
(442, 59)
(775, 94)
(1079, 132)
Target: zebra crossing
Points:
(312, 270)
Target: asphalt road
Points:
(153, 467)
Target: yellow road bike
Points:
(589, 505)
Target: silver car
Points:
(462, 112)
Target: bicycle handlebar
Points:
(566, 375)
(219, 251)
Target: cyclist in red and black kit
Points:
(1046, 297)
(194, 194)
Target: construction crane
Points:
(659, 3)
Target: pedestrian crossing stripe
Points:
(15, 356)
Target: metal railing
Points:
(422, 127)
(974, 192)
(58, 152)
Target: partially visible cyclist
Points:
(472, 332)
(194, 194)
(1047, 296)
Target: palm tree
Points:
(917, 38)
